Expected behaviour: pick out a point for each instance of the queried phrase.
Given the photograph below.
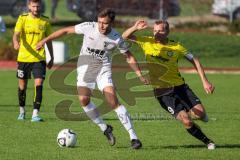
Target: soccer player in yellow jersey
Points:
(31, 28)
(170, 89)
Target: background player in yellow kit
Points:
(162, 55)
(31, 28)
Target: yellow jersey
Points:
(32, 30)
(162, 61)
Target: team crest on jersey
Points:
(170, 54)
(41, 27)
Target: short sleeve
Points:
(83, 27)
(123, 45)
(140, 40)
(19, 24)
(182, 50)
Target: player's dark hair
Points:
(163, 22)
(107, 12)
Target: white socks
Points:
(126, 121)
(93, 114)
(35, 113)
(22, 110)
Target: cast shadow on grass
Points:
(197, 146)
(230, 146)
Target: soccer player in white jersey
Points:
(94, 66)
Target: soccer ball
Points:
(66, 138)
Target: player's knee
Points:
(84, 100)
(38, 82)
(187, 122)
(113, 103)
(202, 116)
(22, 84)
(198, 111)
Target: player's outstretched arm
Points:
(134, 65)
(55, 35)
(139, 25)
(208, 87)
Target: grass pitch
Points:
(162, 137)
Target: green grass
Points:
(62, 13)
(195, 8)
(163, 138)
(214, 50)
(188, 8)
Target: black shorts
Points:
(178, 99)
(38, 69)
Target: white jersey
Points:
(98, 45)
(94, 62)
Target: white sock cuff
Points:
(121, 109)
(35, 112)
(22, 109)
(132, 134)
(91, 106)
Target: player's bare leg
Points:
(22, 87)
(38, 89)
(198, 112)
(92, 112)
(185, 119)
(194, 130)
(111, 97)
(123, 115)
